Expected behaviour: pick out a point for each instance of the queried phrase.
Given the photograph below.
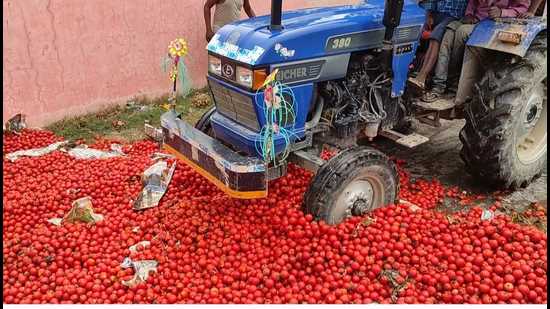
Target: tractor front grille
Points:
(234, 105)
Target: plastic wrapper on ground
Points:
(15, 124)
(36, 152)
(155, 180)
(487, 215)
(141, 269)
(141, 244)
(83, 152)
(82, 211)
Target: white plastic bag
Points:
(36, 152)
(83, 152)
(82, 211)
(155, 183)
(141, 269)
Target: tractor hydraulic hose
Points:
(316, 114)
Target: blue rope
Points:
(276, 116)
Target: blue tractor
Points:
(346, 68)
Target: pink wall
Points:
(69, 57)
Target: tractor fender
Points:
(488, 34)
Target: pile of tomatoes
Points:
(213, 249)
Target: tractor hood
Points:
(306, 33)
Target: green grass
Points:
(124, 122)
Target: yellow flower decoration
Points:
(174, 73)
(269, 79)
(178, 48)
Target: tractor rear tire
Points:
(504, 139)
(354, 182)
(204, 124)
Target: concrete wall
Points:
(69, 57)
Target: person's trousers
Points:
(472, 69)
(451, 53)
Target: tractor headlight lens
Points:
(245, 77)
(252, 79)
(214, 65)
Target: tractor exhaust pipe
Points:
(276, 14)
(392, 19)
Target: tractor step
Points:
(407, 140)
(442, 104)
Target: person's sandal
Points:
(430, 96)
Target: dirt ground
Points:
(439, 158)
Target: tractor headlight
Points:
(245, 77)
(252, 79)
(214, 65)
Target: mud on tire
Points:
(498, 133)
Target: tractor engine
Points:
(362, 99)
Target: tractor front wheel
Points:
(352, 183)
(204, 125)
(504, 139)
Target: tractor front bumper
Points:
(238, 176)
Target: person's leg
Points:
(470, 72)
(430, 58)
(462, 35)
(443, 59)
(472, 68)
(470, 65)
